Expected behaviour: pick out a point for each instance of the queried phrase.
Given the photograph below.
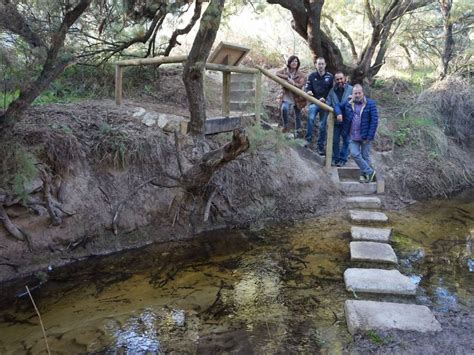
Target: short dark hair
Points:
(292, 58)
(318, 58)
(339, 72)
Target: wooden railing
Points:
(330, 120)
(226, 70)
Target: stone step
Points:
(242, 95)
(367, 216)
(372, 251)
(364, 202)
(371, 234)
(244, 106)
(346, 173)
(242, 78)
(357, 188)
(244, 85)
(370, 315)
(378, 281)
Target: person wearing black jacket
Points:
(318, 85)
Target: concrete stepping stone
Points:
(367, 216)
(371, 234)
(364, 202)
(352, 188)
(371, 315)
(372, 251)
(378, 281)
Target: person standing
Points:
(318, 85)
(361, 112)
(339, 93)
(288, 99)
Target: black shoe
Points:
(363, 178)
(340, 163)
(321, 152)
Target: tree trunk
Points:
(448, 48)
(51, 68)
(193, 73)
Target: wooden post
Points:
(329, 139)
(226, 93)
(258, 96)
(118, 84)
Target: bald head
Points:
(357, 93)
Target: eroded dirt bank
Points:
(113, 188)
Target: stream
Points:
(275, 290)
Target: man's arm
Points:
(308, 88)
(374, 119)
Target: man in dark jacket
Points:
(339, 93)
(318, 85)
(361, 112)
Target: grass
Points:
(261, 139)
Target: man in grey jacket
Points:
(340, 93)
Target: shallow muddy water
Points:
(277, 290)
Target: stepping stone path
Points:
(373, 251)
(371, 234)
(378, 281)
(371, 245)
(368, 216)
(369, 315)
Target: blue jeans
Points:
(338, 154)
(323, 116)
(285, 113)
(360, 152)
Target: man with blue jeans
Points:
(361, 112)
(318, 85)
(339, 93)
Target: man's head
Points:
(321, 65)
(339, 79)
(357, 93)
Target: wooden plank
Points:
(226, 93)
(230, 68)
(154, 60)
(296, 90)
(118, 84)
(258, 96)
(329, 139)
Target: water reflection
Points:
(138, 335)
(279, 290)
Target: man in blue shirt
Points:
(339, 93)
(318, 85)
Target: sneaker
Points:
(372, 177)
(321, 152)
(363, 178)
(334, 163)
(340, 163)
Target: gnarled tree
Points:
(307, 15)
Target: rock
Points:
(367, 216)
(150, 119)
(378, 281)
(169, 122)
(139, 112)
(371, 234)
(178, 317)
(372, 251)
(364, 202)
(371, 315)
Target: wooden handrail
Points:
(330, 121)
(154, 60)
(295, 90)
